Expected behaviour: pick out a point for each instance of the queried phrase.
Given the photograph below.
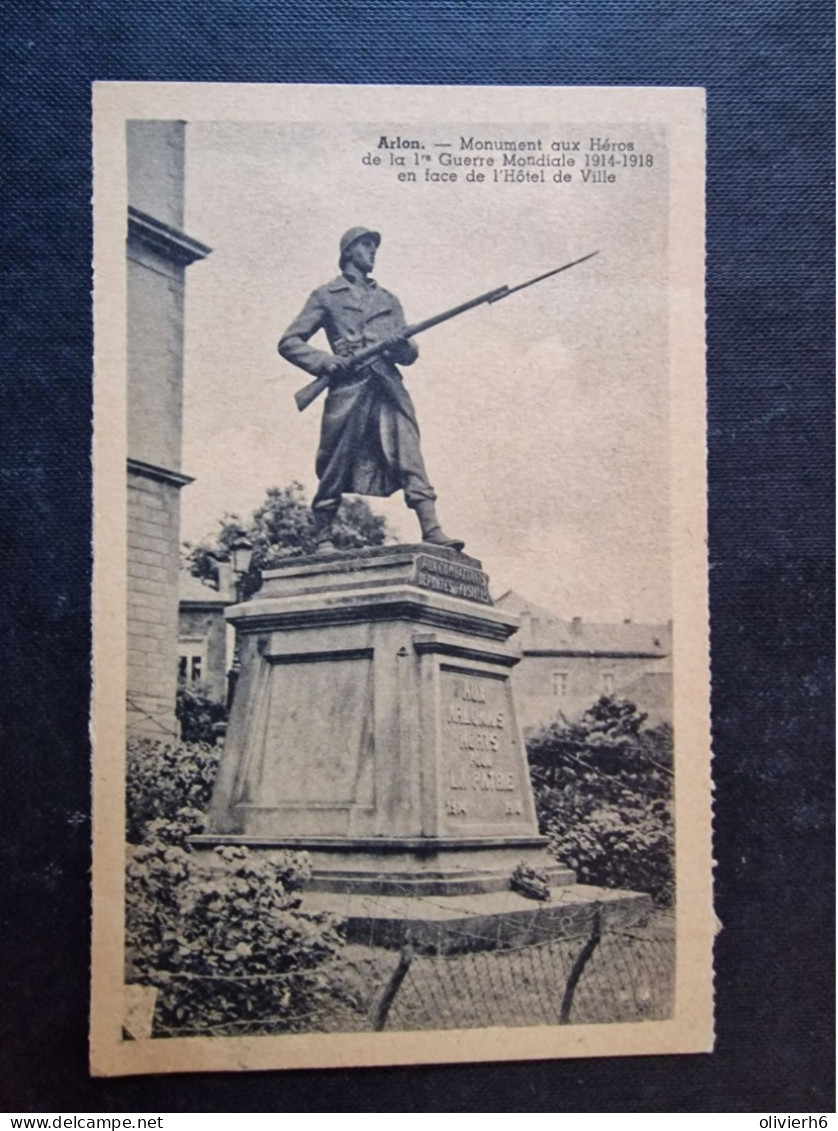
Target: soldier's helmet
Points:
(348, 238)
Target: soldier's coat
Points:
(369, 438)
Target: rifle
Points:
(312, 391)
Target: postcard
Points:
(401, 680)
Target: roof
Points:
(193, 591)
(543, 633)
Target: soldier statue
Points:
(369, 438)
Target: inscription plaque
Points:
(452, 578)
(480, 757)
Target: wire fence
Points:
(603, 972)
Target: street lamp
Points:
(241, 556)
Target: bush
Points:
(198, 713)
(217, 937)
(164, 778)
(603, 791)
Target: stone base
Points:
(405, 866)
(374, 717)
(488, 921)
(374, 727)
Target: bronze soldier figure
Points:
(369, 437)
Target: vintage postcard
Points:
(401, 685)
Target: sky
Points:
(544, 418)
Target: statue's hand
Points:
(337, 366)
(393, 346)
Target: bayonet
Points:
(310, 392)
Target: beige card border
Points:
(682, 111)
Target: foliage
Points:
(603, 790)
(217, 937)
(197, 712)
(164, 778)
(283, 527)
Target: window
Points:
(192, 660)
(560, 685)
(608, 682)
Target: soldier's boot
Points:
(323, 519)
(432, 532)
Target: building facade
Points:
(568, 664)
(158, 253)
(206, 642)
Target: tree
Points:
(281, 528)
(603, 791)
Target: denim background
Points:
(767, 65)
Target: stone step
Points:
(485, 921)
(444, 883)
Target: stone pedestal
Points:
(374, 726)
